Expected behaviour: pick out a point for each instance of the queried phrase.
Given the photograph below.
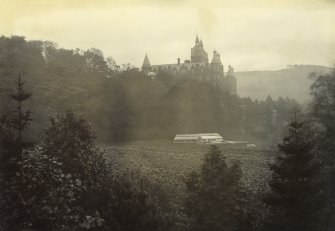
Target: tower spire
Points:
(146, 67)
(197, 40)
(146, 62)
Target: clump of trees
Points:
(214, 197)
(64, 183)
(322, 116)
(302, 184)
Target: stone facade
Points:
(198, 67)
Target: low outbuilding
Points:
(205, 138)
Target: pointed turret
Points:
(197, 40)
(146, 62)
(146, 67)
(198, 54)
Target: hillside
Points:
(293, 82)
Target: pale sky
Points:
(249, 35)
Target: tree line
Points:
(121, 103)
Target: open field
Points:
(168, 164)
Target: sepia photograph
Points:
(167, 115)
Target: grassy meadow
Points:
(168, 164)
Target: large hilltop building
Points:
(198, 67)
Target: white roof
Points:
(211, 137)
(195, 136)
(210, 134)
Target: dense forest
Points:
(59, 107)
(122, 103)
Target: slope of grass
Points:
(168, 164)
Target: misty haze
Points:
(167, 116)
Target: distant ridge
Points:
(293, 82)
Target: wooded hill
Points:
(124, 104)
(292, 82)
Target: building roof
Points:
(146, 62)
(209, 134)
(195, 136)
(186, 137)
(211, 137)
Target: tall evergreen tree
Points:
(22, 117)
(214, 196)
(296, 195)
(11, 150)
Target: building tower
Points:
(146, 67)
(216, 67)
(231, 81)
(198, 54)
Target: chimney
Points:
(178, 61)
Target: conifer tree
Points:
(214, 197)
(22, 117)
(11, 149)
(295, 198)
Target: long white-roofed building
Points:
(206, 138)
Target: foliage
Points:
(71, 141)
(11, 148)
(66, 185)
(21, 118)
(7, 139)
(131, 206)
(322, 116)
(323, 113)
(41, 195)
(49, 183)
(296, 195)
(214, 197)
